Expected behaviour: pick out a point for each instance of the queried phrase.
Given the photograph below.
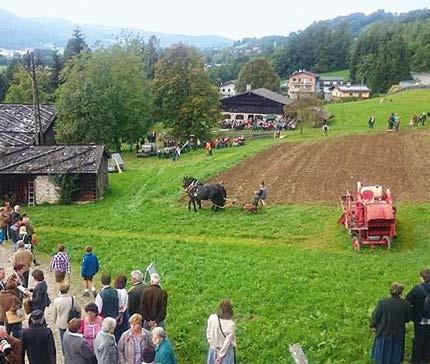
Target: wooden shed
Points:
(27, 173)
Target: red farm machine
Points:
(369, 216)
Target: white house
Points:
(228, 89)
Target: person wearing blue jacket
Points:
(90, 266)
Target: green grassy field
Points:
(290, 271)
(339, 73)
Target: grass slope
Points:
(290, 270)
(339, 73)
(353, 116)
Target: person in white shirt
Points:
(221, 335)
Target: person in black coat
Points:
(40, 299)
(135, 292)
(421, 318)
(388, 321)
(38, 341)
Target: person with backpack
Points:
(388, 322)
(419, 298)
(66, 307)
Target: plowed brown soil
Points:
(320, 171)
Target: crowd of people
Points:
(279, 123)
(117, 326)
(393, 120)
(389, 320)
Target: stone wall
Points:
(45, 190)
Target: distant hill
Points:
(356, 23)
(21, 33)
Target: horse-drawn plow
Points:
(216, 193)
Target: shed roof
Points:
(353, 88)
(17, 126)
(332, 78)
(51, 159)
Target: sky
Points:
(234, 19)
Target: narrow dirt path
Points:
(75, 284)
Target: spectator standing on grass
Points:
(62, 306)
(90, 266)
(221, 335)
(133, 342)
(208, 147)
(154, 304)
(421, 318)
(23, 256)
(107, 299)
(76, 349)
(123, 317)
(38, 341)
(325, 129)
(388, 321)
(105, 348)
(371, 122)
(60, 265)
(91, 324)
(164, 351)
(135, 292)
(40, 299)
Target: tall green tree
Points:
(184, 99)
(305, 111)
(381, 58)
(75, 45)
(21, 89)
(258, 73)
(104, 97)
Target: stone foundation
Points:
(46, 190)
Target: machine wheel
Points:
(387, 240)
(356, 243)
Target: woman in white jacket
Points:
(221, 335)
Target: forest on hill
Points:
(372, 45)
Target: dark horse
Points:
(198, 191)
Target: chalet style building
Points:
(253, 104)
(28, 167)
(350, 91)
(302, 83)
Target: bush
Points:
(68, 184)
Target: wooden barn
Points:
(27, 173)
(256, 103)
